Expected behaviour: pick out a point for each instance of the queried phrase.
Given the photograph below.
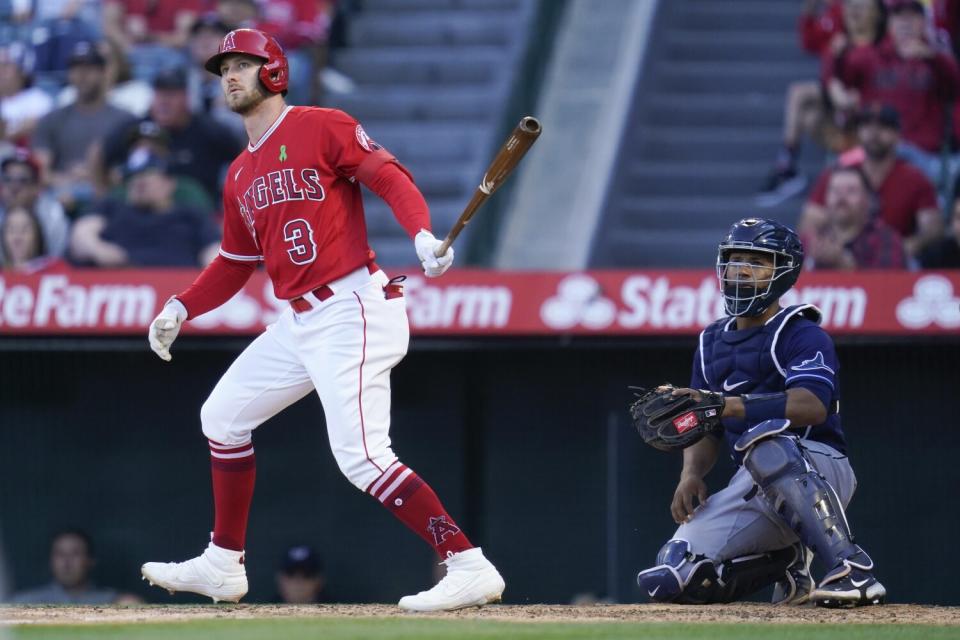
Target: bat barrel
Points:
(523, 136)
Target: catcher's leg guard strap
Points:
(684, 577)
(744, 576)
(802, 497)
(756, 433)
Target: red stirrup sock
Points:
(234, 471)
(415, 504)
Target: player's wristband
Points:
(764, 406)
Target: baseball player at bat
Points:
(292, 201)
(765, 380)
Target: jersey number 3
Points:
(299, 235)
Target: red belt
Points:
(302, 305)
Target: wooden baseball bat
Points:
(522, 138)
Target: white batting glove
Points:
(426, 244)
(165, 327)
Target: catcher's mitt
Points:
(669, 423)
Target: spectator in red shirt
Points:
(907, 73)
(821, 109)
(820, 20)
(907, 200)
(851, 236)
(165, 22)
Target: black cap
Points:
(882, 114)
(86, 52)
(210, 21)
(148, 130)
(143, 160)
(301, 559)
(174, 78)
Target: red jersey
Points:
(295, 23)
(918, 89)
(293, 201)
(816, 30)
(904, 193)
(160, 15)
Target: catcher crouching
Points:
(765, 380)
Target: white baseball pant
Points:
(344, 348)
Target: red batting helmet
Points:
(273, 74)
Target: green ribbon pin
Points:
(283, 152)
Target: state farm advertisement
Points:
(468, 302)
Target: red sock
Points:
(415, 504)
(234, 471)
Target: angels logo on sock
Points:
(441, 529)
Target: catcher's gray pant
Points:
(737, 521)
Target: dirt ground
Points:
(746, 612)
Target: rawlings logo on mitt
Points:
(671, 422)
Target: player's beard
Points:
(246, 101)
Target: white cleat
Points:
(471, 581)
(217, 573)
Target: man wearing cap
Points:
(300, 579)
(146, 229)
(908, 73)
(68, 141)
(199, 146)
(906, 199)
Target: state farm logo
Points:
(657, 303)
(933, 302)
(57, 302)
(579, 300)
(466, 306)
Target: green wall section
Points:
(526, 443)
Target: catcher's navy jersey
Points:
(790, 350)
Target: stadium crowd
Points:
(110, 128)
(885, 109)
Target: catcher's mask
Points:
(752, 296)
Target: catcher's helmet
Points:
(275, 71)
(753, 297)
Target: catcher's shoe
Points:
(797, 583)
(850, 584)
(471, 581)
(218, 573)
